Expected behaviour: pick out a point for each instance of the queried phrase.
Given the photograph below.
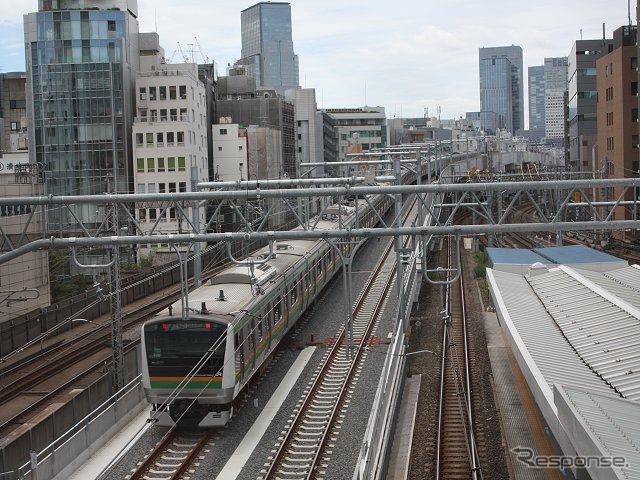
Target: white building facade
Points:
(169, 144)
(229, 151)
(307, 140)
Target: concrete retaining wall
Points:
(60, 417)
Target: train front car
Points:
(185, 376)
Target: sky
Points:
(406, 56)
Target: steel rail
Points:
(285, 445)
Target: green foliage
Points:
(145, 261)
(61, 283)
(481, 258)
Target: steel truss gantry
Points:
(476, 197)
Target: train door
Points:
(238, 348)
(252, 342)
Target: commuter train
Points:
(193, 368)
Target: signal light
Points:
(165, 326)
(207, 326)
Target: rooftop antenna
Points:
(580, 34)
(155, 15)
(204, 57)
(629, 11)
(365, 93)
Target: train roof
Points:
(232, 289)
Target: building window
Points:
(161, 164)
(172, 213)
(151, 188)
(162, 188)
(139, 139)
(219, 149)
(152, 93)
(149, 138)
(172, 187)
(180, 136)
(171, 164)
(143, 93)
(223, 131)
(153, 214)
(183, 92)
(151, 162)
(15, 126)
(160, 138)
(173, 114)
(172, 92)
(240, 147)
(154, 115)
(634, 141)
(634, 88)
(163, 114)
(140, 165)
(142, 215)
(141, 188)
(169, 138)
(182, 186)
(634, 114)
(163, 93)
(181, 164)
(634, 63)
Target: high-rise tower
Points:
(267, 46)
(501, 88)
(82, 59)
(536, 101)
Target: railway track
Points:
(30, 384)
(305, 448)
(457, 454)
(173, 457)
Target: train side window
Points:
(277, 311)
(251, 333)
(319, 267)
(294, 293)
(259, 330)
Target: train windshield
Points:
(174, 347)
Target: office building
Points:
(169, 139)
(241, 103)
(307, 135)
(267, 46)
(536, 101)
(582, 98)
(13, 111)
(353, 129)
(82, 59)
(555, 99)
(501, 89)
(618, 152)
(24, 281)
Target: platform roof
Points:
(575, 254)
(518, 260)
(602, 427)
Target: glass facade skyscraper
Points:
(81, 64)
(267, 45)
(491, 102)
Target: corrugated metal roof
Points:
(623, 283)
(574, 254)
(515, 256)
(602, 328)
(551, 352)
(612, 424)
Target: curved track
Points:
(305, 448)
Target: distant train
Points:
(193, 368)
